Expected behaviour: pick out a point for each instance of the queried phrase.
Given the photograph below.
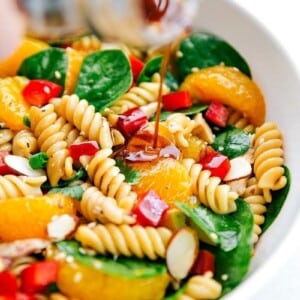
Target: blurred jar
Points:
(139, 23)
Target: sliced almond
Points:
(239, 168)
(61, 227)
(21, 165)
(182, 252)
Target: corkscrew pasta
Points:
(127, 178)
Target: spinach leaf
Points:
(232, 266)
(75, 191)
(152, 67)
(278, 199)
(232, 142)
(195, 109)
(201, 50)
(50, 64)
(121, 266)
(104, 76)
(38, 160)
(131, 176)
(215, 229)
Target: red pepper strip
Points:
(217, 163)
(205, 262)
(176, 100)
(38, 92)
(149, 209)
(4, 168)
(136, 66)
(8, 283)
(37, 276)
(131, 121)
(22, 296)
(217, 114)
(84, 148)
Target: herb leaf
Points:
(38, 160)
(75, 191)
(104, 76)
(131, 176)
(50, 64)
(232, 142)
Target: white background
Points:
(282, 18)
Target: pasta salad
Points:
(104, 196)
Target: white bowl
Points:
(277, 76)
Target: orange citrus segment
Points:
(83, 282)
(168, 178)
(27, 217)
(229, 86)
(74, 63)
(28, 47)
(13, 107)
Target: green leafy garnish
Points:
(131, 176)
(50, 64)
(104, 77)
(26, 121)
(215, 229)
(232, 142)
(38, 160)
(278, 199)
(75, 191)
(201, 50)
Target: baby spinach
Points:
(232, 266)
(195, 109)
(152, 67)
(278, 199)
(104, 76)
(121, 266)
(38, 160)
(201, 50)
(215, 229)
(50, 64)
(75, 191)
(232, 142)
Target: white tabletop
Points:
(283, 19)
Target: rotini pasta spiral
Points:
(12, 186)
(253, 195)
(106, 176)
(95, 206)
(6, 136)
(210, 192)
(143, 94)
(92, 125)
(87, 44)
(24, 143)
(268, 159)
(200, 287)
(236, 119)
(125, 240)
(52, 141)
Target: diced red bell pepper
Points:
(4, 168)
(137, 66)
(205, 262)
(23, 296)
(38, 92)
(37, 276)
(84, 148)
(149, 209)
(217, 114)
(131, 121)
(177, 100)
(8, 283)
(217, 163)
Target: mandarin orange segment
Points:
(168, 178)
(229, 86)
(28, 47)
(27, 217)
(13, 107)
(83, 282)
(75, 59)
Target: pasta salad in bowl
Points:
(120, 180)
